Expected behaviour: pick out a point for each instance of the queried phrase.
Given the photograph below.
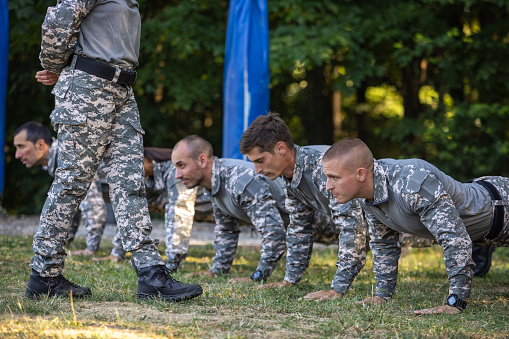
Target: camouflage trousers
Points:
(96, 120)
(94, 215)
(178, 224)
(502, 186)
(179, 216)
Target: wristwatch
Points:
(260, 276)
(454, 301)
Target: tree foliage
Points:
(423, 78)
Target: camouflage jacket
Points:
(239, 194)
(66, 25)
(415, 197)
(160, 185)
(306, 193)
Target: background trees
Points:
(414, 78)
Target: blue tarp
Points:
(4, 48)
(246, 70)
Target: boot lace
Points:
(61, 282)
(163, 273)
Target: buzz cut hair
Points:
(265, 132)
(353, 149)
(35, 131)
(196, 146)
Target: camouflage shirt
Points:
(159, 185)
(415, 197)
(68, 29)
(306, 193)
(239, 194)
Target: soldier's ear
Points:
(361, 174)
(39, 144)
(202, 160)
(280, 148)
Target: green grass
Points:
(244, 311)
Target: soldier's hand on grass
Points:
(237, 280)
(46, 77)
(281, 284)
(372, 301)
(444, 309)
(321, 296)
(209, 274)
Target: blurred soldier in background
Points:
(36, 147)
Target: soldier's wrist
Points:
(260, 276)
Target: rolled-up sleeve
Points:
(60, 31)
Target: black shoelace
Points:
(61, 281)
(163, 273)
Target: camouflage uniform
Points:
(179, 214)
(166, 195)
(93, 207)
(414, 196)
(239, 195)
(96, 120)
(305, 196)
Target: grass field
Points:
(243, 311)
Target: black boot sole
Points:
(177, 298)
(35, 294)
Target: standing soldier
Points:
(35, 146)
(91, 47)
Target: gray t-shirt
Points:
(111, 33)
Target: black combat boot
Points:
(155, 281)
(482, 259)
(51, 286)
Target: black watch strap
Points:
(454, 301)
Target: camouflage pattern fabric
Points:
(502, 186)
(94, 215)
(166, 195)
(306, 195)
(409, 240)
(60, 31)
(93, 208)
(95, 120)
(414, 196)
(240, 195)
(179, 214)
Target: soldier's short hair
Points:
(355, 149)
(265, 132)
(196, 146)
(35, 131)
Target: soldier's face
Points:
(342, 182)
(266, 163)
(188, 170)
(29, 153)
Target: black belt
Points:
(498, 214)
(105, 71)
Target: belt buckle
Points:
(131, 74)
(132, 71)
